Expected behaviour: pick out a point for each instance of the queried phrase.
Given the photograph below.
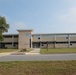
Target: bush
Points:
(23, 50)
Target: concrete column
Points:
(31, 41)
(69, 41)
(12, 40)
(55, 41)
(40, 41)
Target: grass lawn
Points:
(54, 51)
(7, 50)
(38, 68)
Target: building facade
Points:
(26, 39)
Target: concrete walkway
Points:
(8, 53)
(5, 54)
(34, 51)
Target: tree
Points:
(3, 27)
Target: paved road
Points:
(39, 57)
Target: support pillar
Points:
(55, 41)
(31, 41)
(68, 41)
(12, 40)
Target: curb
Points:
(32, 53)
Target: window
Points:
(70, 44)
(66, 37)
(61, 42)
(15, 36)
(38, 37)
(10, 36)
(15, 42)
(42, 45)
(6, 43)
(72, 41)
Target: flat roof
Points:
(45, 34)
(56, 34)
(26, 30)
(10, 34)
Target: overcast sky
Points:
(43, 16)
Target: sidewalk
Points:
(34, 51)
(5, 54)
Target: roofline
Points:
(26, 30)
(56, 34)
(10, 34)
(48, 34)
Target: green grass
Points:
(38, 68)
(7, 50)
(55, 51)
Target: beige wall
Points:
(12, 39)
(73, 46)
(8, 46)
(35, 39)
(15, 40)
(24, 39)
(51, 45)
(61, 46)
(61, 39)
(7, 40)
(45, 46)
(72, 38)
(56, 46)
(47, 39)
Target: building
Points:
(26, 39)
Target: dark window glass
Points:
(72, 41)
(8, 36)
(66, 37)
(15, 36)
(70, 44)
(61, 42)
(38, 37)
(15, 42)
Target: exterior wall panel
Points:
(73, 46)
(47, 39)
(7, 40)
(35, 39)
(51, 45)
(61, 45)
(72, 38)
(15, 40)
(61, 39)
(8, 46)
(44, 46)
